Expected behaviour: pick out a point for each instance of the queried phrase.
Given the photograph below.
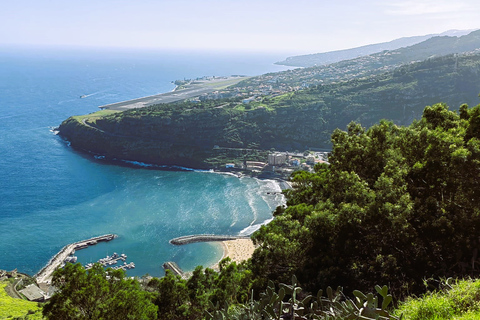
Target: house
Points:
(311, 159)
(295, 162)
(248, 100)
(33, 293)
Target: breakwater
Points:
(203, 238)
(172, 266)
(45, 274)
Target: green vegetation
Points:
(100, 294)
(92, 117)
(97, 294)
(456, 301)
(11, 308)
(397, 205)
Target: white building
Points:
(277, 159)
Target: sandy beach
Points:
(238, 250)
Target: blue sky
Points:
(300, 26)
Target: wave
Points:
(150, 165)
(54, 130)
(264, 189)
(140, 164)
(252, 228)
(92, 94)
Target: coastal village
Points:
(280, 164)
(275, 84)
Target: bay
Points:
(51, 195)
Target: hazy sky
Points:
(295, 26)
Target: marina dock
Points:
(113, 260)
(45, 274)
(203, 238)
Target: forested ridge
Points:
(397, 206)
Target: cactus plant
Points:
(272, 305)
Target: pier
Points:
(45, 274)
(203, 238)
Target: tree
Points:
(97, 294)
(396, 205)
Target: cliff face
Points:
(118, 144)
(202, 136)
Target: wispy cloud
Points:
(410, 8)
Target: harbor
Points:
(44, 276)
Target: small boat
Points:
(83, 96)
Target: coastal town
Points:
(280, 164)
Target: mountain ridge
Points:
(324, 58)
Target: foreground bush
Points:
(396, 205)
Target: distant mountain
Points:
(318, 59)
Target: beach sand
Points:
(238, 250)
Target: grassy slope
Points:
(461, 302)
(12, 308)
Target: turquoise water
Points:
(51, 195)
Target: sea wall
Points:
(45, 274)
(203, 238)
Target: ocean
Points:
(52, 195)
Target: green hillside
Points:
(11, 308)
(318, 59)
(368, 65)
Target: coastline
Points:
(237, 250)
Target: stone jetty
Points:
(203, 238)
(45, 274)
(172, 266)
